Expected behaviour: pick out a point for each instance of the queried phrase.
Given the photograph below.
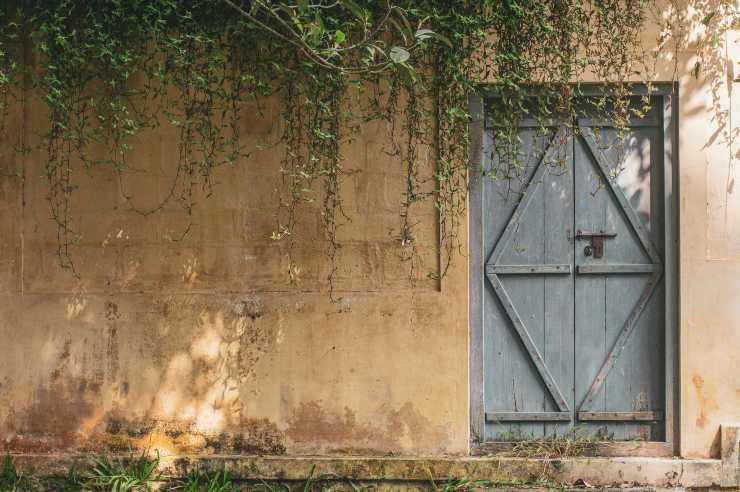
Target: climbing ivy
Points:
(110, 71)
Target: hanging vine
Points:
(8, 65)
(110, 71)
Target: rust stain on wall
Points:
(52, 421)
(707, 405)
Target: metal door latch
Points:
(596, 248)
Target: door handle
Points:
(596, 240)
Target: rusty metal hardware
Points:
(596, 248)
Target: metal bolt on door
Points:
(573, 305)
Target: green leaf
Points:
(339, 37)
(315, 32)
(708, 18)
(399, 55)
(422, 34)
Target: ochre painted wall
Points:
(201, 346)
(709, 121)
(709, 214)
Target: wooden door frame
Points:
(669, 447)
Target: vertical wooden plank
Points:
(656, 316)
(523, 244)
(514, 381)
(503, 352)
(671, 251)
(559, 345)
(475, 272)
(620, 294)
(590, 291)
(631, 378)
(632, 384)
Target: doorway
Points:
(573, 281)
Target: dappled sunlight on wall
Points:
(228, 373)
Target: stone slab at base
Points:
(656, 473)
(730, 451)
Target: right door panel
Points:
(619, 299)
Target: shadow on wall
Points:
(707, 58)
(177, 391)
(181, 374)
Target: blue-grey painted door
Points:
(574, 302)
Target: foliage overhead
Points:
(111, 70)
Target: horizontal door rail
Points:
(528, 417)
(528, 269)
(655, 416)
(615, 268)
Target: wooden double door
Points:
(573, 296)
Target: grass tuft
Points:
(135, 474)
(10, 479)
(197, 481)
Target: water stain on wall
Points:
(52, 421)
(250, 436)
(313, 429)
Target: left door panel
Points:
(527, 303)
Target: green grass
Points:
(103, 474)
(11, 480)
(136, 474)
(139, 473)
(573, 443)
(203, 482)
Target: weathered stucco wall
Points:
(201, 346)
(709, 215)
(709, 120)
